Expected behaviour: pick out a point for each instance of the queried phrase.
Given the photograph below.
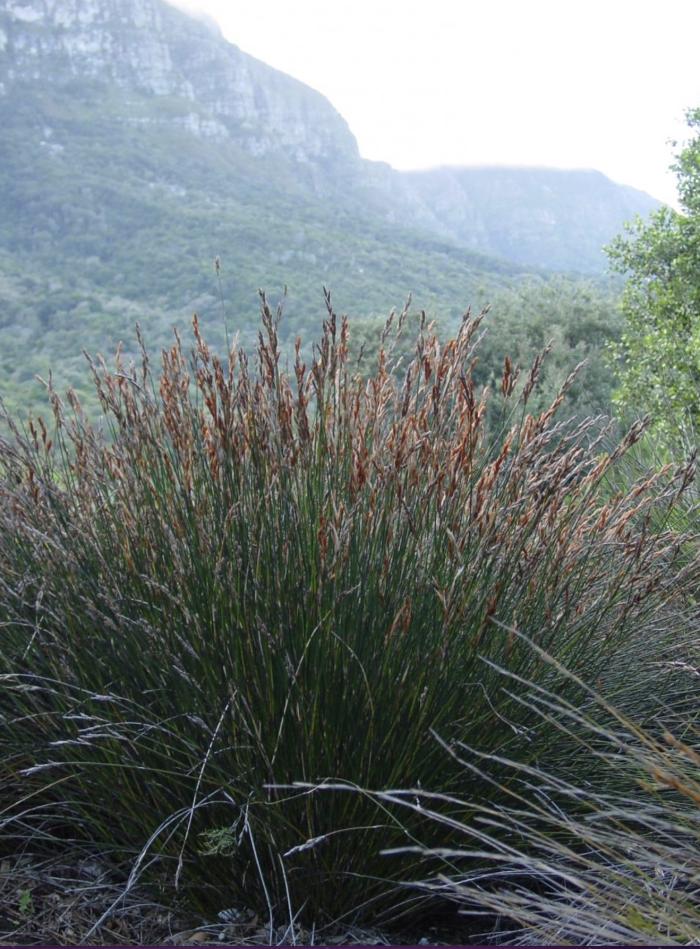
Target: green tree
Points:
(578, 317)
(658, 355)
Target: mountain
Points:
(138, 144)
(539, 217)
(194, 78)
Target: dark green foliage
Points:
(578, 319)
(256, 577)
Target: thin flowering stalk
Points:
(327, 555)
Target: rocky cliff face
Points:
(194, 78)
(135, 82)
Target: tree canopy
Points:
(659, 350)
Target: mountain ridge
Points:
(203, 84)
(520, 212)
(151, 46)
(138, 144)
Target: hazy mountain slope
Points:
(137, 145)
(542, 217)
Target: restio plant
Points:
(247, 581)
(610, 856)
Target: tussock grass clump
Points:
(251, 577)
(610, 856)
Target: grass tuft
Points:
(605, 856)
(249, 576)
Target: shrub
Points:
(252, 577)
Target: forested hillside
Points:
(138, 146)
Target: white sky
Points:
(564, 83)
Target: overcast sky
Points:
(598, 84)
